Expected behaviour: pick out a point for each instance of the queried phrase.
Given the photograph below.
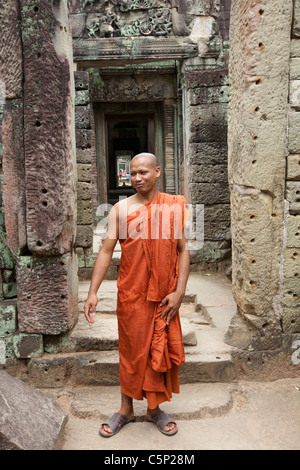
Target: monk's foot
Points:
(164, 423)
(115, 423)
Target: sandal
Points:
(116, 422)
(161, 419)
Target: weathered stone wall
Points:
(291, 262)
(87, 180)
(205, 102)
(39, 176)
(259, 86)
(206, 156)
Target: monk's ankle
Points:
(128, 412)
(153, 411)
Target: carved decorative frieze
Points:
(127, 18)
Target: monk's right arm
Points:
(101, 266)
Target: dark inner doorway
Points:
(126, 136)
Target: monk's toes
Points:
(170, 427)
(106, 430)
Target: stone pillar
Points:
(291, 271)
(49, 135)
(47, 280)
(39, 162)
(260, 35)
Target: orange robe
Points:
(149, 350)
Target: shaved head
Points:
(149, 157)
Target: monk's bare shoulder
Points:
(126, 206)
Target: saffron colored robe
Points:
(150, 351)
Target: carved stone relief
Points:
(127, 18)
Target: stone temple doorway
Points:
(123, 130)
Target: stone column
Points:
(47, 269)
(260, 35)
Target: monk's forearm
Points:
(183, 271)
(102, 264)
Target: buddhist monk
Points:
(152, 279)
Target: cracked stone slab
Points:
(29, 419)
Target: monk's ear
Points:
(157, 171)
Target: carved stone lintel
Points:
(131, 18)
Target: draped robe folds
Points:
(150, 351)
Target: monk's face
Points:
(143, 174)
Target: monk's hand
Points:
(173, 302)
(90, 308)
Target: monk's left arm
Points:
(174, 299)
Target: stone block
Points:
(14, 176)
(208, 174)
(84, 155)
(295, 48)
(83, 138)
(82, 98)
(47, 294)
(208, 95)
(9, 275)
(8, 318)
(29, 419)
(295, 68)
(293, 195)
(28, 345)
(218, 230)
(293, 231)
(291, 293)
(2, 352)
(9, 290)
(291, 320)
(293, 132)
(84, 191)
(84, 235)
(293, 167)
(209, 193)
(217, 212)
(82, 80)
(7, 354)
(255, 245)
(11, 62)
(90, 258)
(80, 257)
(295, 94)
(207, 153)
(84, 172)
(291, 267)
(296, 22)
(82, 117)
(49, 129)
(208, 123)
(206, 78)
(212, 251)
(84, 212)
(6, 257)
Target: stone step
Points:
(102, 368)
(195, 401)
(103, 334)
